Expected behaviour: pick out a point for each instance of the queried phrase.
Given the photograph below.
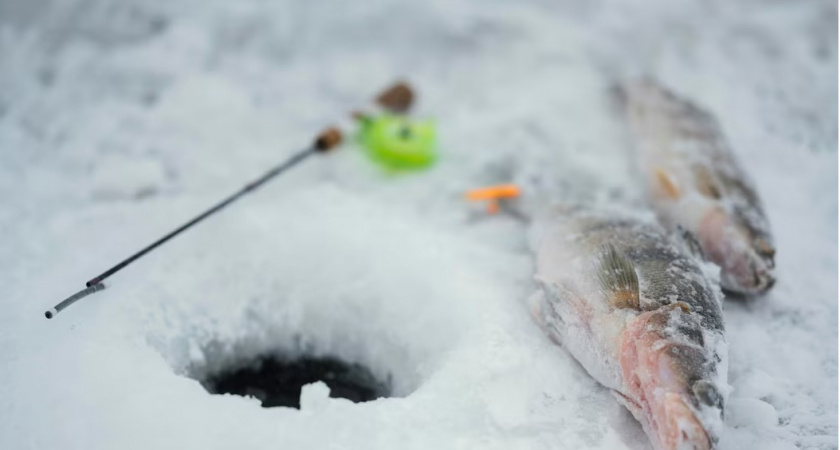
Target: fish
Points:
(694, 181)
(641, 312)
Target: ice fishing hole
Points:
(277, 381)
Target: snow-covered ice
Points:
(121, 119)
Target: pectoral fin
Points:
(667, 184)
(618, 279)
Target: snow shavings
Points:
(120, 119)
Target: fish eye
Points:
(764, 247)
(707, 394)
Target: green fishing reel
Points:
(397, 142)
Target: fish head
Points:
(668, 381)
(744, 252)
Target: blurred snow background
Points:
(120, 119)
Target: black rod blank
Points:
(95, 284)
(73, 299)
(248, 188)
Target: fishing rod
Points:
(397, 99)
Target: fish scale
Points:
(664, 359)
(694, 181)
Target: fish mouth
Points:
(662, 388)
(682, 429)
(763, 280)
(673, 425)
(747, 264)
(749, 276)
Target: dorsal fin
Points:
(618, 279)
(667, 185)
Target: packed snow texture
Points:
(121, 119)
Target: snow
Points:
(314, 397)
(121, 119)
(751, 412)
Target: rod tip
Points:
(49, 314)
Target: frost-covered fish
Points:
(694, 181)
(637, 310)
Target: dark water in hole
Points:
(277, 381)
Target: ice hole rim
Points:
(353, 370)
(276, 379)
